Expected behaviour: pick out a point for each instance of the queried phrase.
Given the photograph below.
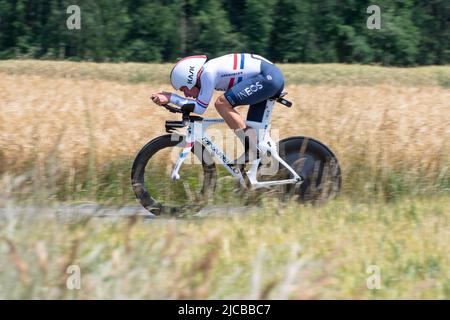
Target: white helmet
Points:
(184, 73)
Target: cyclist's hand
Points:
(160, 98)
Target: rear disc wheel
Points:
(313, 162)
(316, 164)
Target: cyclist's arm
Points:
(180, 101)
(206, 92)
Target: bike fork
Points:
(186, 150)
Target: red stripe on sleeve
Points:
(199, 73)
(230, 84)
(235, 62)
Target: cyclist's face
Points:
(190, 92)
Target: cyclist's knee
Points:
(222, 103)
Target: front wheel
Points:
(151, 176)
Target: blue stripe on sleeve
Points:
(242, 60)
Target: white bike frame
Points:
(196, 132)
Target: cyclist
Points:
(247, 79)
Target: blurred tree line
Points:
(413, 32)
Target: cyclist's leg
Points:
(254, 92)
(232, 118)
(259, 88)
(256, 111)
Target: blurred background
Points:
(413, 32)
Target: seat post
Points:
(267, 116)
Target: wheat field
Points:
(69, 132)
(388, 138)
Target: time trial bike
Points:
(176, 172)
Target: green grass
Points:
(110, 184)
(274, 251)
(329, 74)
